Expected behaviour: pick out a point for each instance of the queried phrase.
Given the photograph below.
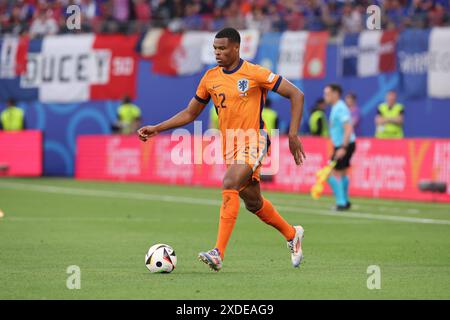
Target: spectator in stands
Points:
(270, 116)
(393, 13)
(107, 18)
(265, 15)
(164, 10)
(389, 119)
(257, 20)
(43, 24)
(316, 13)
(318, 125)
(352, 19)
(129, 117)
(350, 101)
(12, 118)
(438, 16)
(233, 17)
(192, 19)
(143, 10)
(89, 9)
(216, 22)
(417, 13)
(121, 10)
(16, 23)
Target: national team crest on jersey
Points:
(242, 85)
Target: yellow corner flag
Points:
(321, 178)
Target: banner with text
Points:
(380, 168)
(68, 68)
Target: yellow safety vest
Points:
(390, 130)
(269, 117)
(313, 121)
(213, 118)
(12, 119)
(128, 113)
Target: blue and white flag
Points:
(412, 56)
(369, 53)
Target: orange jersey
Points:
(239, 95)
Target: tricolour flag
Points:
(302, 54)
(369, 53)
(75, 68)
(148, 43)
(179, 54)
(13, 56)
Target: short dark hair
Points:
(11, 102)
(336, 88)
(320, 101)
(126, 99)
(230, 33)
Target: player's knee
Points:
(253, 205)
(230, 184)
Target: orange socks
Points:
(228, 214)
(269, 215)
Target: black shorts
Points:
(344, 162)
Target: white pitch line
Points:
(313, 203)
(208, 202)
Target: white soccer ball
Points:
(160, 258)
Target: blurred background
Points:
(79, 91)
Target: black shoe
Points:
(341, 208)
(348, 205)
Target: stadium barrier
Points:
(21, 153)
(380, 168)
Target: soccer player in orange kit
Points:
(238, 89)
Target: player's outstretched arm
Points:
(288, 90)
(189, 114)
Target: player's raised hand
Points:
(296, 148)
(147, 132)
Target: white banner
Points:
(188, 55)
(439, 63)
(66, 68)
(292, 52)
(369, 58)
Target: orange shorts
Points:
(250, 154)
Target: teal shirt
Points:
(340, 114)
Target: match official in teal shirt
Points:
(343, 139)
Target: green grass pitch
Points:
(106, 229)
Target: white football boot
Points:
(295, 246)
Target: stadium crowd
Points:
(42, 17)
